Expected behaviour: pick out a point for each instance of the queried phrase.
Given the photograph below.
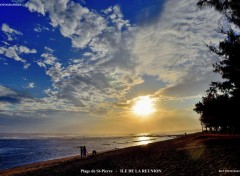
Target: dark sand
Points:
(191, 155)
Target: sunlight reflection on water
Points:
(143, 140)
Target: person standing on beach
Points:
(84, 151)
(81, 151)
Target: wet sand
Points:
(195, 154)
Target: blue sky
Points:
(79, 66)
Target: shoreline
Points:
(114, 145)
(194, 154)
(77, 156)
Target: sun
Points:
(144, 106)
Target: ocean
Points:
(21, 149)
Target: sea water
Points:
(19, 150)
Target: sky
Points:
(79, 66)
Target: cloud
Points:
(15, 52)
(116, 16)
(9, 96)
(118, 55)
(10, 32)
(192, 86)
(106, 71)
(7, 29)
(14, 103)
(31, 85)
(75, 22)
(48, 58)
(173, 48)
(40, 28)
(116, 59)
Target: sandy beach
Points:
(194, 154)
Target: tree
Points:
(219, 109)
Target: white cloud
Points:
(26, 66)
(114, 13)
(173, 48)
(56, 72)
(5, 91)
(40, 28)
(15, 52)
(31, 85)
(106, 70)
(107, 73)
(50, 50)
(14, 103)
(7, 29)
(75, 22)
(10, 32)
(41, 64)
(49, 59)
(24, 49)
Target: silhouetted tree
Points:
(219, 109)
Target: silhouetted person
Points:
(81, 151)
(94, 153)
(84, 152)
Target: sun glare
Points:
(143, 106)
(143, 140)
